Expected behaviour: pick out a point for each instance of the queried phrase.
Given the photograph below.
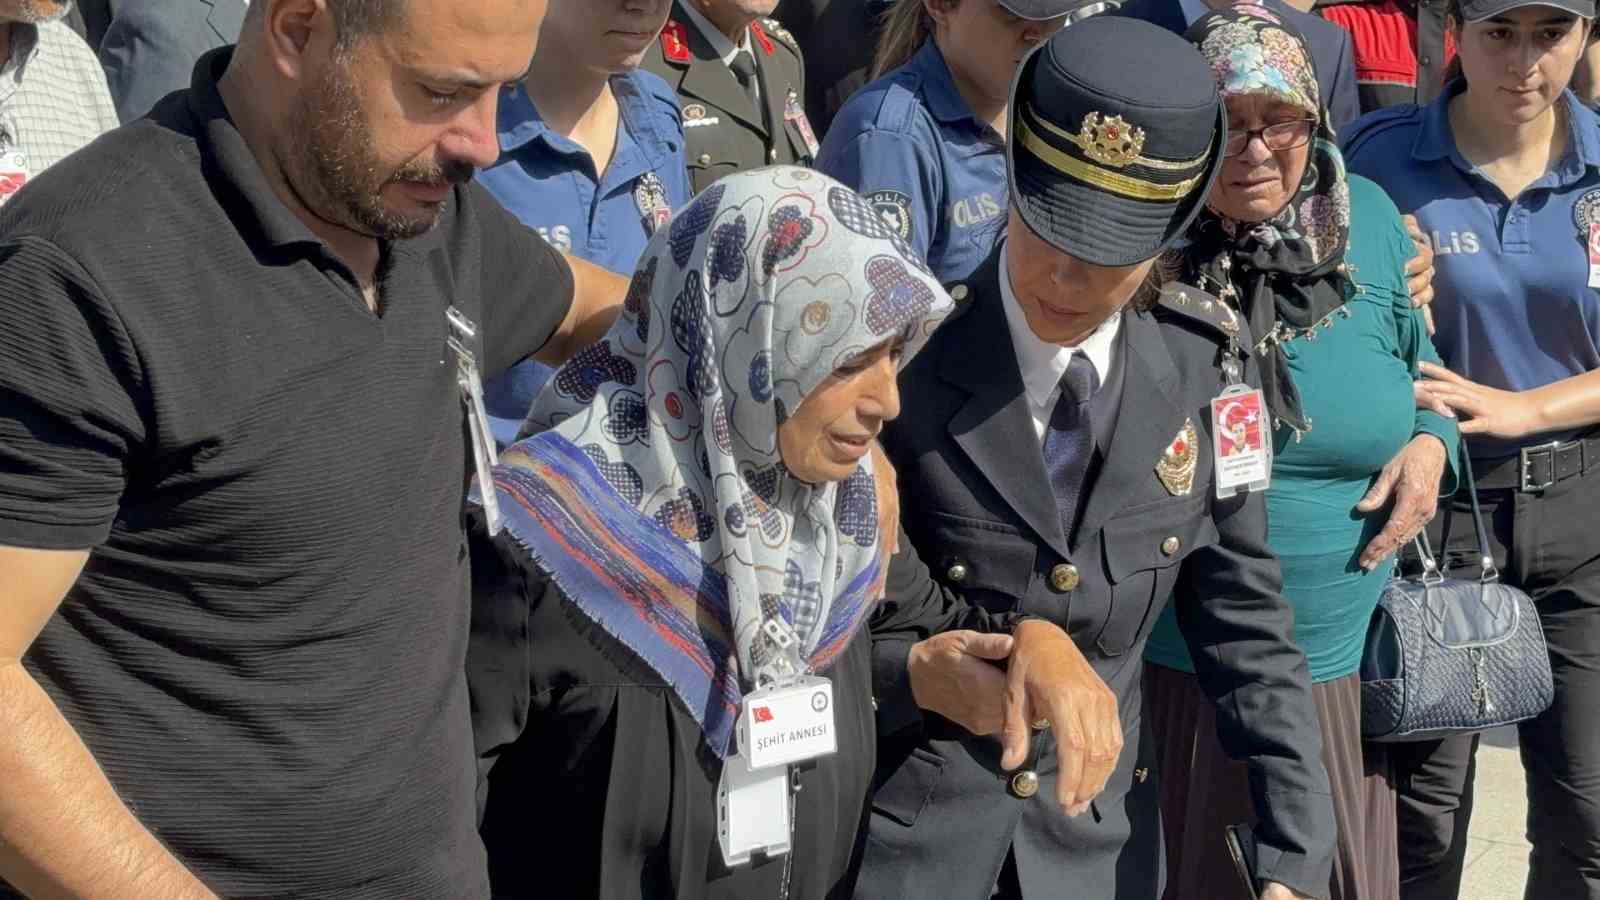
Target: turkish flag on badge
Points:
(762, 713)
(13, 173)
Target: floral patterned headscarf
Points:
(653, 491)
(1287, 273)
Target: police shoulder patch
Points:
(1196, 306)
(894, 208)
(1586, 212)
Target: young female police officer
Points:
(1503, 171)
(591, 154)
(925, 143)
(1056, 448)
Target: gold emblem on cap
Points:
(1110, 141)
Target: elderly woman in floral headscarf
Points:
(696, 517)
(1313, 259)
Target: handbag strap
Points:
(1431, 573)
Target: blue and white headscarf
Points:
(653, 491)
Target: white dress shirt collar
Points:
(719, 42)
(1042, 364)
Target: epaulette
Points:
(675, 42)
(771, 26)
(1375, 123)
(1194, 305)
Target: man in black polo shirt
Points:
(232, 463)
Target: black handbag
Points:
(1452, 655)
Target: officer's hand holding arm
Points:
(887, 489)
(597, 296)
(1276, 891)
(1047, 678)
(1569, 403)
(1411, 480)
(1419, 270)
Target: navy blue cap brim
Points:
(1040, 10)
(1478, 10)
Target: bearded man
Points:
(233, 455)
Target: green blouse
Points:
(1355, 380)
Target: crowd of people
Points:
(742, 449)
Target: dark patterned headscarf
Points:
(1287, 273)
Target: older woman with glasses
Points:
(1314, 262)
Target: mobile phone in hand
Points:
(1242, 847)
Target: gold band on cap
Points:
(1111, 182)
(1092, 124)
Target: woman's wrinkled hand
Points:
(1483, 410)
(1411, 482)
(1419, 270)
(955, 674)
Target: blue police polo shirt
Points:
(909, 143)
(1512, 300)
(551, 184)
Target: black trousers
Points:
(1548, 545)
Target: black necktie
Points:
(1069, 438)
(744, 69)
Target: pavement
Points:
(1497, 852)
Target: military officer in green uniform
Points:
(740, 79)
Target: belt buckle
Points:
(1525, 466)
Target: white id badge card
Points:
(752, 811)
(464, 343)
(788, 723)
(13, 171)
(1594, 251)
(1241, 429)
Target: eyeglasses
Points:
(1277, 136)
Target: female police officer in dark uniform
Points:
(1056, 452)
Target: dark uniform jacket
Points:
(722, 133)
(977, 506)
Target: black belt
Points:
(1536, 469)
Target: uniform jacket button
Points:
(1024, 784)
(1170, 546)
(957, 572)
(958, 293)
(1064, 577)
(705, 159)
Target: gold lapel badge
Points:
(1177, 463)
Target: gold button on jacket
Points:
(1064, 577)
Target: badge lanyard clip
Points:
(466, 343)
(1241, 425)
